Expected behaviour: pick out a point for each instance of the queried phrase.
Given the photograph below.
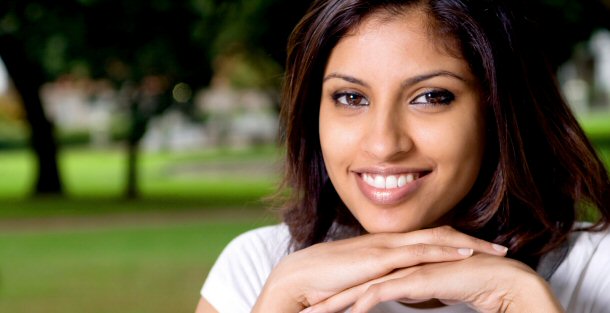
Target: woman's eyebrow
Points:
(409, 82)
(423, 77)
(347, 78)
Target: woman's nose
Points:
(387, 136)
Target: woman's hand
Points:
(317, 273)
(487, 283)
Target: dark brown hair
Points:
(539, 166)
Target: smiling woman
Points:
(433, 164)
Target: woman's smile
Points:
(389, 186)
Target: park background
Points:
(138, 137)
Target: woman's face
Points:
(401, 124)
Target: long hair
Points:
(539, 168)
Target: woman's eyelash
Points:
(434, 97)
(430, 97)
(350, 99)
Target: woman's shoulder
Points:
(271, 242)
(587, 243)
(587, 247)
(582, 281)
(255, 249)
(235, 280)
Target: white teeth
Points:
(369, 180)
(379, 182)
(390, 182)
(410, 178)
(402, 180)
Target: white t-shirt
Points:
(581, 282)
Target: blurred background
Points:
(138, 137)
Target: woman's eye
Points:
(351, 99)
(434, 97)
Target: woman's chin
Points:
(388, 227)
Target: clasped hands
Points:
(438, 263)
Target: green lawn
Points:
(95, 251)
(92, 173)
(94, 181)
(132, 267)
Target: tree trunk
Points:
(131, 192)
(28, 77)
(143, 106)
(138, 128)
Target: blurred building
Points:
(585, 79)
(82, 106)
(223, 116)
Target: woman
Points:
(433, 165)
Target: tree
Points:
(24, 66)
(126, 41)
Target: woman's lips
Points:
(389, 189)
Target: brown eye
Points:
(350, 99)
(434, 97)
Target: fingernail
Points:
(499, 248)
(307, 310)
(465, 251)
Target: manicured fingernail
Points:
(465, 251)
(499, 248)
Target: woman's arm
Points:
(314, 274)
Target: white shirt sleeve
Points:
(582, 282)
(236, 279)
(594, 288)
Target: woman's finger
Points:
(411, 255)
(486, 283)
(447, 236)
(346, 298)
(394, 289)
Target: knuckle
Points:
(381, 239)
(447, 251)
(419, 249)
(446, 231)
(374, 292)
(440, 233)
(374, 254)
(447, 228)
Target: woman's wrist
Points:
(533, 295)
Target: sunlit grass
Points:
(16, 173)
(213, 176)
(596, 124)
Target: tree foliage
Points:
(175, 41)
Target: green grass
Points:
(597, 127)
(91, 173)
(596, 124)
(146, 268)
(95, 181)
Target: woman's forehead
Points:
(420, 21)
